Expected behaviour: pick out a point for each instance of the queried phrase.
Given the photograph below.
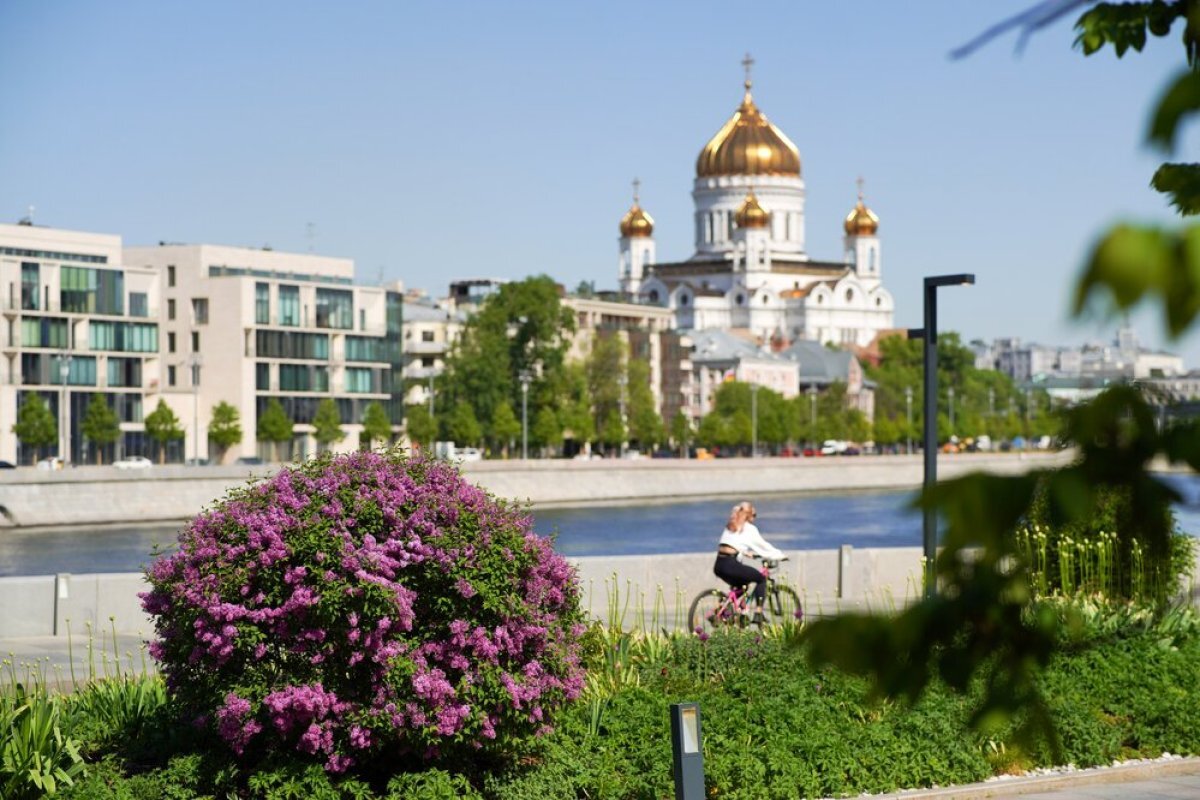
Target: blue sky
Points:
(432, 141)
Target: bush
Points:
(362, 604)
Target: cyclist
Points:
(741, 538)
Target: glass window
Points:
(132, 337)
(82, 371)
(43, 332)
(171, 309)
(170, 275)
(335, 309)
(321, 379)
(427, 336)
(364, 348)
(124, 371)
(170, 376)
(195, 341)
(92, 291)
(138, 305)
(358, 380)
(200, 310)
(289, 305)
(29, 285)
(286, 344)
(262, 375)
(294, 378)
(262, 304)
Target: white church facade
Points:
(750, 271)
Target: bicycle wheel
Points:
(783, 605)
(710, 611)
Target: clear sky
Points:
(440, 140)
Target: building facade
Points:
(78, 322)
(244, 326)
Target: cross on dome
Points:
(747, 63)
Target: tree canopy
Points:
(100, 425)
(225, 427)
(35, 425)
(163, 426)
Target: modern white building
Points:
(750, 270)
(77, 322)
(429, 332)
(245, 326)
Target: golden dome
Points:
(861, 221)
(748, 144)
(636, 222)
(751, 214)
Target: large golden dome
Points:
(748, 144)
(751, 214)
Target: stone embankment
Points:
(106, 495)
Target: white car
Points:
(53, 462)
(468, 454)
(133, 462)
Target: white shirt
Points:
(749, 540)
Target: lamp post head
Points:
(960, 279)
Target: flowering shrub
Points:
(366, 604)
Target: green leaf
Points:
(1124, 25)
(1129, 261)
(1180, 101)
(1181, 183)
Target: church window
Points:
(871, 260)
(878, 302)
(741, 299)
(849, 295)
(708, 228)
(766, 299)
(646, 257)
(820, 299)
(728, 226)
(683, 299)
(654, 295)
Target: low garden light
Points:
(929, 437)
(687, 751)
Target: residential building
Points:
(78, 322)
(429, 332)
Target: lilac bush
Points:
(365, 605)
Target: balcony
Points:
(425, 348)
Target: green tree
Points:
(100, 425)
(462, 427)
(377, 427)
(35, 425)
(978, 631)
(505, 428)
(163, 426)
(681, 432)
(546, 430)
(420, 425)
(606, 382)
(645, 423)
(225, 428)
(274, 426)
(612, 430)
(327, 424)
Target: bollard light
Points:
(687, 751)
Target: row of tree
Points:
(37, 428)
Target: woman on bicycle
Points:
(741, 538)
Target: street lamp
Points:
(622, 381)
(950, 399)
(991, 401)
(929, 437)
(431, 392)
(812, 407)
(908, 402)
(754, 420)
(525, 376)
(195, 362)
(64, 413)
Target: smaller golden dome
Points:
(636, 222)
(861, 221)
(751, 214)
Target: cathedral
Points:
(750, 272)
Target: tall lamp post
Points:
(754, 420)
(525, 376)
(929, 434)
(950, 402)
(622, 382)
(908, 402)
(195, 362)
(64, 374)
(811, 391)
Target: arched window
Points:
(654, 295)
(683, 299)
(766, 299)
(871, 260)
(820, 299)
(741, 298)
(646, 257)
(849, 295)
(878, 302)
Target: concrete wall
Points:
(96, 495)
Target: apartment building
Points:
(245, 326)
(77, 322)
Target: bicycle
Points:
(714, 609)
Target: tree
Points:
(462, 427)
(546, 431)
(225, 427)
(681, 432)
(163, 426)
(274, 426)
(35, 425)
(645, 424)
(420, 425)
(327, 424)
(612, 430)
(376, 425)
(100, 425)
(978, 630)
(505, 428)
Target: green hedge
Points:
(773, 727)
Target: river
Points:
(791, 522)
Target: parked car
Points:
(133, 462)
(7, 465)
(465, 454)
(52, 462)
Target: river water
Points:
(791, 522)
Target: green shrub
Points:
(36, 758)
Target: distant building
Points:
(429, 333)
(1122, 360)
(821, 366)
(719, 356)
